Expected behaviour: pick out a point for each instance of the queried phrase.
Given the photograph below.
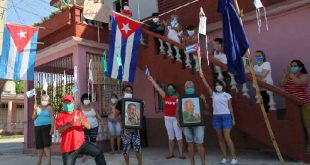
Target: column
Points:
(9, 119)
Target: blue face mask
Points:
(190, 91)
(294, 69)
(259, 59)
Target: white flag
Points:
(258, 4)
(90, 71)
(45, 84)
(202, 22)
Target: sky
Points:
(27, 12)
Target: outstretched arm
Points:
(210, 91)
(157, 87)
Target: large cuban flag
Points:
(19, 52)
(124, 46)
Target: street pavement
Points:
(11, 154)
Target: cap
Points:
(67, 98)
(155, 15)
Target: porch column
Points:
(28, 124)
(9, 119)
(80, 60)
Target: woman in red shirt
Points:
(171, 123)
(296, 81)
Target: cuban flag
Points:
(18, 55)
(124, 46)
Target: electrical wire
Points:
(19, 18)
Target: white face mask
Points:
(191, 32)
(86, 102)
(126, 7)
(44, 103)
(155, 20)
(127, 95)
(113, 101)
(219, 88)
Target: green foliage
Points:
(53, 14)
(19, 88)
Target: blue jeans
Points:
(87, 148)
(194, 134)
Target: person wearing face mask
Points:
(223, 118)
(156, 26)
(262, 70)
(43, 116)
(92, 117)
(174, 131)
(174, 29)
(194, 134)
(71, 123)
(126, 11)
(190, 37)
(114, 124)
(296, 81)
(129, 136)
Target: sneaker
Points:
(224, 160)
(234, 161)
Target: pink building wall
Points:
(288, 38)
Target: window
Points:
(3, 105)
(20, 106)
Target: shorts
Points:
(222, 121)
(42, 136)
(194, 134)
(131, 137)
(173, 129)
(91, 134)
(114, 128)
(305, 114)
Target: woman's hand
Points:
(52, 132)
(233, 121)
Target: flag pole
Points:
(267, 122)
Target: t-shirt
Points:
(220, 56)
(43, 117)
(170, 106)
(157, 28)
(266, 66)
(73, 138)
(220, 103)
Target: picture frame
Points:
(191, 111)
(132, 113)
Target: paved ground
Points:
(11, 154)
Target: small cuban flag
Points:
(192, 48)
(146, 71)
(31, 93)
(74, 89)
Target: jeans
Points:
(194, 134)
(87, 148)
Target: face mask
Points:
(86, 102)
(259, 59)
(294, 69)
(219, 88)
(171, 92)
(126, 7)
(191, 32)
(127, 95)
(190, 91)
(44, 103)
(68, 107)
(155, 20)
(113, 101)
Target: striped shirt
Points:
(299, 91)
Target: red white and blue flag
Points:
(18, 55)
(124, 46)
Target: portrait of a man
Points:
(132, 115)
(191, 111)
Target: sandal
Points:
(170, 157)
(182, 157)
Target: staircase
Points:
(167, 67)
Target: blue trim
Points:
(123, 56)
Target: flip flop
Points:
(170, 157)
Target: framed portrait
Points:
(191, 111)
(132, 113)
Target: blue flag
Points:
(235, 40)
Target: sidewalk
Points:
(11, 154)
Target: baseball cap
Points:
(67, 98)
